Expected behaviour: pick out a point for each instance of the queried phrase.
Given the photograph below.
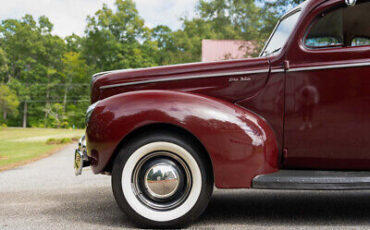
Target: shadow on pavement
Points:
(264, 208)
(289, 207)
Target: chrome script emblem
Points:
(235, 79)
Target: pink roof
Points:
(216, 50)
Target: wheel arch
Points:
(171, 128)
(239, 143)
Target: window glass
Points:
(328, 31)
(281, 34)
(323, 42)
(357, 24)
(359, 41)
(342, 27)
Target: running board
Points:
(313, 179)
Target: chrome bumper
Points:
(81, 159)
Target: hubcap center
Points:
(162, 180)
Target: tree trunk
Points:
(13, 71)
(25, 115)
(4, 115)
(66, 93)
(65, 98)
(47, 100)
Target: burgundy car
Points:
(297, 117)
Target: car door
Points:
(327, 113)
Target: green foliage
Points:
(18, 146)
(273, 10)
(217, 19)
(57, 141)
(113, 38)
(66, 141)
(43, 70)
(45, 80)
(51, 141)
(3, 65)
(8, 102)
(279, 7)
(232, 19)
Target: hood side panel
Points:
(228, 80)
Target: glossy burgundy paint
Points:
(241, 145)
(269, 102)
(219, 87)
(327, 111)
(246, 125)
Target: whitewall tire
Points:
(162, 180)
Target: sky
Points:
(69, 16)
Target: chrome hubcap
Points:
(162, 180)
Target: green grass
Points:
(19, 146)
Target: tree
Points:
(279, 7)
(8, 102)
(117, 39)
(50, 76)
(189, 40)
(75, 74)
(3, 66)
(217, 19)
(34, 64)
(74, 43)
(232, 19)
(273, 10)
(165, 42)
(57, 115)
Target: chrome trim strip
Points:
(185, 78)
(278, 71)
(329, 67)
(112, 71)
(168, 66)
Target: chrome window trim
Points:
(278, 71)
(186, 78)
(339, 66)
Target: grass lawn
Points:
(20, 146)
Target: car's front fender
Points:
(240, 144)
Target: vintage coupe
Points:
(297, 117)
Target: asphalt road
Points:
(47, 195)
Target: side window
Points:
(342, 27)
(360, 41)
(327, 31)
(316, 42)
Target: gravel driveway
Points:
(47, 195)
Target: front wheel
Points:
(161, 180)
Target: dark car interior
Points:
(342, 27)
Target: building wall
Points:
(216, 50)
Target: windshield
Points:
(281, 34)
